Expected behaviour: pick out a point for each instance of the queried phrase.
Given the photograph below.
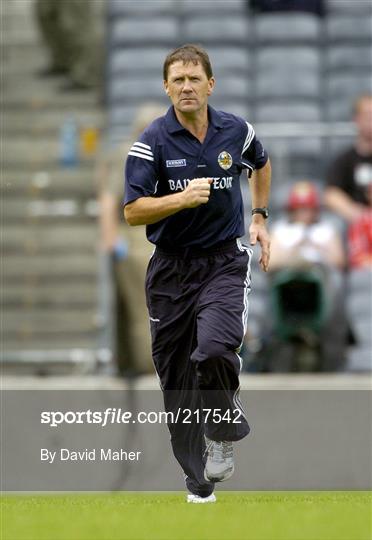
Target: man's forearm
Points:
(148, 210)
(340, 203)
(260, 183)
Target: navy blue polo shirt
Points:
(166, 157)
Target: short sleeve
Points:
(253, 155)
(140, 170)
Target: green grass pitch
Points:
(166, 516)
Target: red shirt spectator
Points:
(360, 241)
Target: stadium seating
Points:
(287, 84)
(348, 59)
(354, 58)
(144, 31)
(284, 28)
(296, 57)
(121, 116)
(195, 8)
(147, 88)
(283, 66)
(232, 29)
(350, 29)
(339, 110)
(293, 111)
(360, 312)
(227, 60)
(270, 69)
(119, 8)
(134, 61)
(239, 108)
(233, 86)
(361, 7)
(305, 146)
(348, 84)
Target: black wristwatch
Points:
(263, 211)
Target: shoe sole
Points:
(201, 501)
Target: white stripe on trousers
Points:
(247, 288)
(247, 284)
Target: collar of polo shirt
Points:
(173, 124)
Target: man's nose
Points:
(187, 86)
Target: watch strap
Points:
(263, 211)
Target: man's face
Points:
(188, 86)
(363, 119)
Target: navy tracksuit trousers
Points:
(198, 306)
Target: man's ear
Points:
(211, 84)
(166, 89)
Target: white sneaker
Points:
(191, 498)
(220, 462)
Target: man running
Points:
(183, 183)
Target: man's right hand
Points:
(197, 192)
(148, 210)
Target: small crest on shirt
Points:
(176, 163)
(225, 160)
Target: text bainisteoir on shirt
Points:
(167, 156)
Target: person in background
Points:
(360, 237)
(303, 238)
(309, 6)
(70, 30)
(359, 287)
(351, 172)
(304, 241)
(129, 251)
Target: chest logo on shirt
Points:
(225, 160)
(176, 163)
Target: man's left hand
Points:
(259, 233)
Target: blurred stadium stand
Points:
(287, 28)
(361, 7)
(49, 234)
(208, 7)
(158, 7)
(276, 67)
(348, 28)
(359, 307)
(295, 76)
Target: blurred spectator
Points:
(360, 238)
(310, 6)
(304, 238)
(69, 29)
(359, 301)
(307, 258)
(351, 173)
(130, 252)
